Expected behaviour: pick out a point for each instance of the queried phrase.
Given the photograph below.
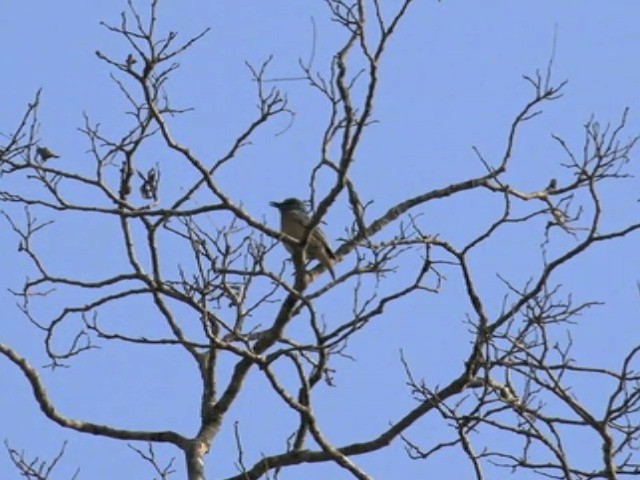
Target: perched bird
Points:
(45, 154)
(293, 222)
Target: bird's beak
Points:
(274, 204)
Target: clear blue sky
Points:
(452, 79)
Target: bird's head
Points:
(290, 204)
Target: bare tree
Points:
(35, 469)
(228, 310)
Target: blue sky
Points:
(451, 80)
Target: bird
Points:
(293, 222)
(45, 154)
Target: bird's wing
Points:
(303, 220)
(319, 234)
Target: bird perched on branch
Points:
(45, 154)
(293, 222)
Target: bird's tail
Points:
(327, 257)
